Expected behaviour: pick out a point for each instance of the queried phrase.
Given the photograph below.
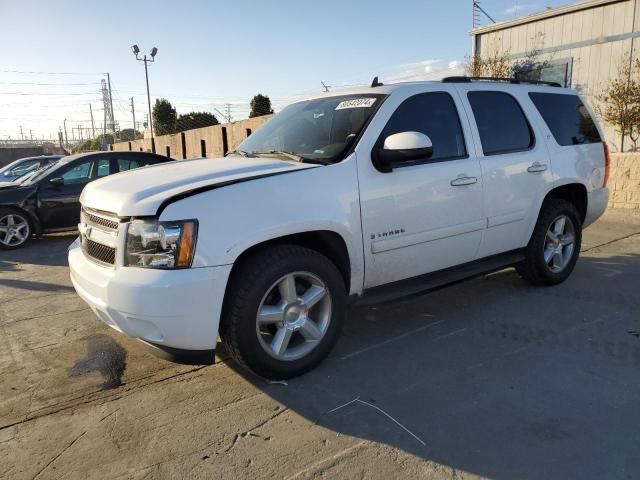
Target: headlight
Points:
(153, 244)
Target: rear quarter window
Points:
(567, 118)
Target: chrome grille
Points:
(106, 223)
(100, 252)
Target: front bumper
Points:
(172, 310)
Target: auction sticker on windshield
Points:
(356, 103)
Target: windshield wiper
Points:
(242, 153)
(291, 156)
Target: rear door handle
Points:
(537, 167)
(461, 181)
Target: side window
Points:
(567, 118)
(78, 174)
(103, 167)
(125, 164)
(502, 126)
(435, 115)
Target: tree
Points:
(497, 65)
(494, 66)
(192, 120)
(164, 117)
(619, 100)
(128, 134)
(260, 105)
(94, 143)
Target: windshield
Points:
(320, 130)
(36, 175)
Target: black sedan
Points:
(49, 199)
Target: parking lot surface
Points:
(489, 378)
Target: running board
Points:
(435, 280)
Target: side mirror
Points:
(57, 181)
(402, 147)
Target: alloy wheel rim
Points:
(293, 316)
(559, 244)
(14, 230)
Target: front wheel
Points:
(554, 246)
(15, 228)
(283, 311)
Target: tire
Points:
(551, 256)
(15, 228)
(295, 331)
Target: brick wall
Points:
(192, 143)
(624, 181)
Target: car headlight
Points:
(153, 244)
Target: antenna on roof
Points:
(376, 83)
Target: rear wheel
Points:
(553, 249)
(15, 228)
(283, 311)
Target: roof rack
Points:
(464, 79)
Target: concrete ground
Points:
(490, 378)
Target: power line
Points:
(51, 73)
(48, 93)
(46, 84)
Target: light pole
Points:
(152, 54)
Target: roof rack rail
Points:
(464, 79)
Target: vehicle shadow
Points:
(492, 377)
(49, 250)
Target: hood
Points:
(9, 185)
(142, 191)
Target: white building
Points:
(583, 44)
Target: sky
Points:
(53, 54)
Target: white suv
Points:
(363, 196)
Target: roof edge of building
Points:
(548, 13)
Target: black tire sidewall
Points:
(552, 210)
(13, 211)
(275, 265)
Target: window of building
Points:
(502, 125)
(567, 118)
(435, 115)
(558, 71)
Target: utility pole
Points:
(113, 121)
(93, 125)
(152, 54)
(30, 134)
(21, 135)
(228, 113)
(133, 112)
(66, 137)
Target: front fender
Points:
(237, 217)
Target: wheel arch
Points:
(576, 193)
(327, 242)
(33, 221)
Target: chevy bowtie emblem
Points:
(85, 230)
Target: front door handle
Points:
(537, 167)
(462, 180)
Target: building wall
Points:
(9, 154)
(596, 35)
(624, 181)
(190, 143)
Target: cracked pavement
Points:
(489, 378)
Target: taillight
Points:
(607, 164)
